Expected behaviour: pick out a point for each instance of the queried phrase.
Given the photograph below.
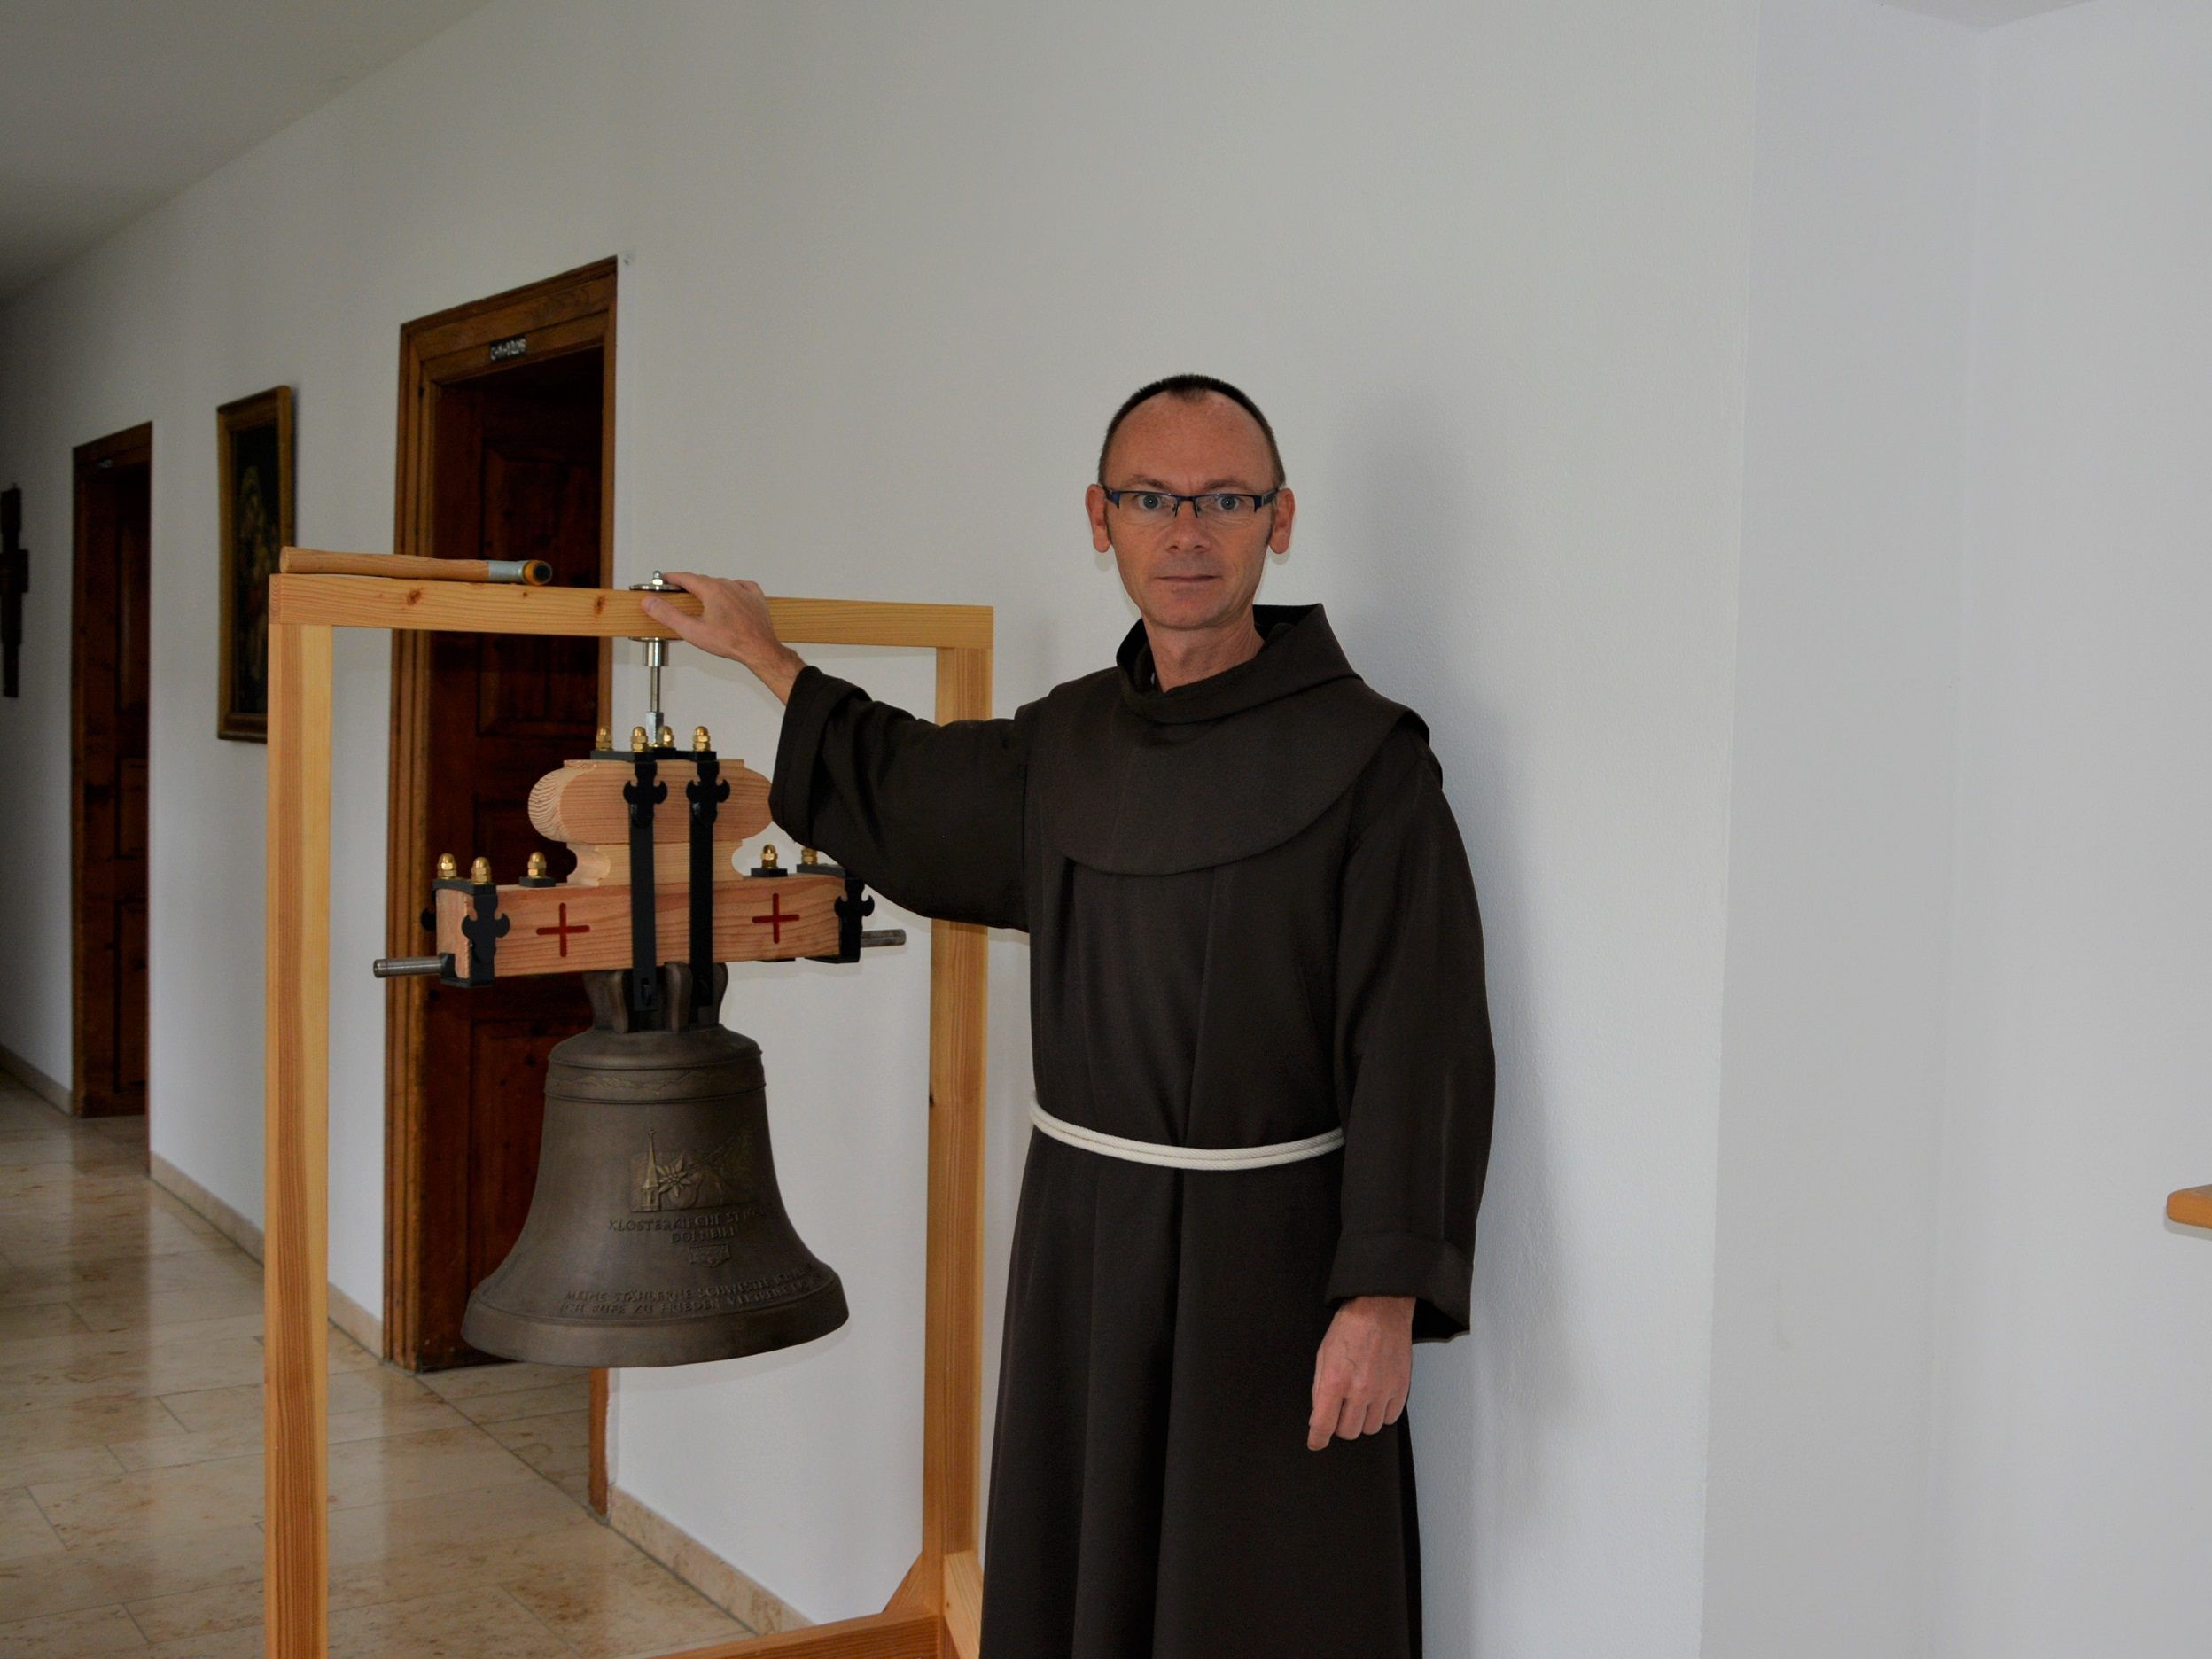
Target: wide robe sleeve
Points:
(1416, 1072)
(930, 815)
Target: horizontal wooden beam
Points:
(2192, 1206)
(583, 802)
(871, 1636)
(602, 612)
(571, 930)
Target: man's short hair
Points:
(1190, 388)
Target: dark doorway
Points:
(517, 477)
(107, 795)
(510, 458)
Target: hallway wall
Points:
(2076, 1450)
(886, 271)
(1818, 1543)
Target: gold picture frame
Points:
(253, 463)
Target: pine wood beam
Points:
(295, 1272)
(872, 1636)
(952, 1388)
(603, 613)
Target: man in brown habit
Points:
(1263, 1067)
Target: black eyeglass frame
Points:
(1259, 500)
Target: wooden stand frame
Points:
(936, 1611)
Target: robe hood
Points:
(1217, 770)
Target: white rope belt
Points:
(1186, 1157)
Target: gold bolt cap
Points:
(481, 872)
(637, 739)
(667, 738)
(447, 868)
(536, 868)
(768, 856)
(807, 855)
(700, 739)
(600, 742)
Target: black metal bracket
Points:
(484, 927)
(854, 908)
(643, 794)
(706, 792)
(658, 752)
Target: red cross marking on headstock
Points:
(776, 917)
(567, 928)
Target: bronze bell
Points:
(656, 1233)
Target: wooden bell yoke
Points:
(587, 922)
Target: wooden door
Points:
(108, 772)
(517, 474)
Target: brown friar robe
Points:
(1251, 920)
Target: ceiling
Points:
(108, 107)
(1986, 13)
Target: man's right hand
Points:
(733, 623)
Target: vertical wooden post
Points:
(953, 1365)
(601, 1393)
(296, 1043)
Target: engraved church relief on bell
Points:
(689, 1180)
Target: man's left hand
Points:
(1365, 1368)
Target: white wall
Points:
(1485, 268)
(1840, 850)
(2077, 1449)
(1486, 264)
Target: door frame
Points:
(559, 316)
(134, 444)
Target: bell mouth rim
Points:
(777, 1327)
(830, 1282)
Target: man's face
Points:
(1192, 573)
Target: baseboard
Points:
(347, 1314)
(758, 1608)
(55, 1095)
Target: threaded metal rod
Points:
(407, 967)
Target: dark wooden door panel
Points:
(130, 816)
(516, 475)
(131, 999)
(108, 773)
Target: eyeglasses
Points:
(1159, 507)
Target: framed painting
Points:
(253, 461)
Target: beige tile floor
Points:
(131, 1438)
